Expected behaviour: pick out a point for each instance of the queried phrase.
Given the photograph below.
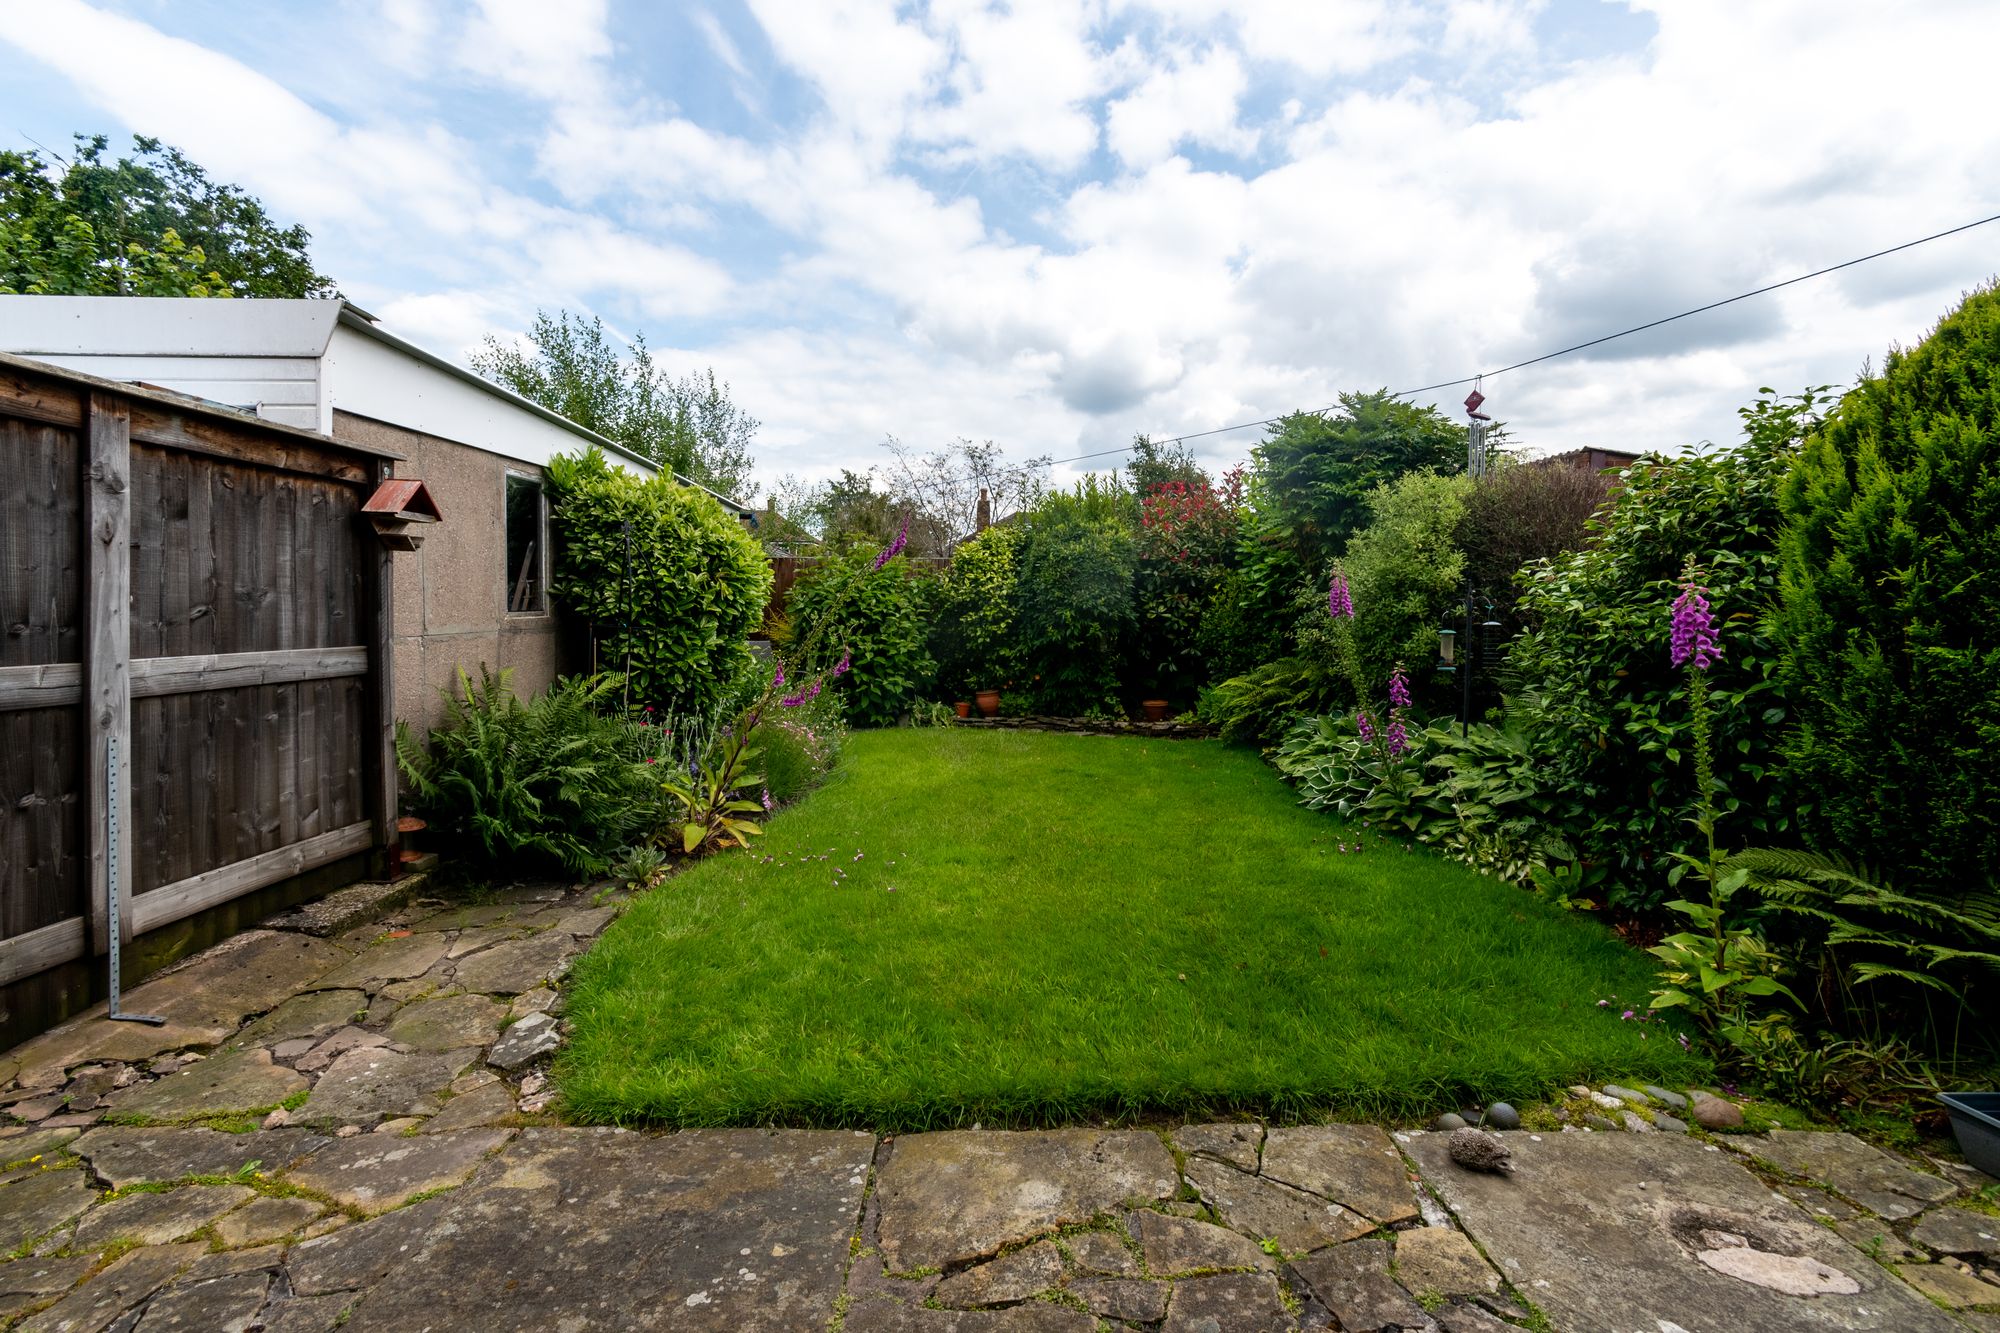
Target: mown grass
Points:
(1044, 928)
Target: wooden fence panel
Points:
(41, 625)
(40, 612)
(199, 587)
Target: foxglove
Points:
(1339, 601)
(1694, 642)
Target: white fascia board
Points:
(373, 373)
(41, 326)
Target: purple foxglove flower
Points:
(1339, 601)
(894, 548)
(769, 806)
(1399, 740)
(806, 695)
(1365, 726)
(1694, 641)
(778, 679)
(1399, 689)
(840, 667)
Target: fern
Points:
(553, 779)
(1885, 955)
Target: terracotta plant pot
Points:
(1156, 709)
(989, 702)
(963, 707)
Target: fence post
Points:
(379, 738)
(107, 651)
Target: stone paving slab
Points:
(882, 1316)
(1865, 1174)
(374, 1083)
(1267, 1210)
(1355, 1166)
(122, 1155)
(703, 1230)
(237, 1082)
(1607, 1232)
(377, 1172)
(958, 1195)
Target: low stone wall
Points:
(1084, 726)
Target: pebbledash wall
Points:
(451, 605)
(461, 600)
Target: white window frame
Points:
(541, 543)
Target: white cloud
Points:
(1188, 99)
(551, 52)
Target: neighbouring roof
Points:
(1598, 460)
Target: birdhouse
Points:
(396, 507)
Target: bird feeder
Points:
(396, 508)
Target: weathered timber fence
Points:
(193, 583)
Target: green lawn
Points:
(1043, 927)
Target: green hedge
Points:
(678, 623)
(1891, 619)
(845, 605)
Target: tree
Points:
(150, 225)
(1522, 512)
(1073, 597)
(1153, 465)
(940, 490)
(689, 425)
(1317, 469)
(1890, 579)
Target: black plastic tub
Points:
(1975, 1119)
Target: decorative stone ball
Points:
(1449, 1120)
(1714, 1113)
(1502, 1116)
(1476, 1150)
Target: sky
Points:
(1054, 224)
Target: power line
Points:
(1578, 347)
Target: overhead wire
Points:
(1563, 351)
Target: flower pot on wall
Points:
(963, 707)
(1156, 709)
(989, 702)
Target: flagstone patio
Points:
(356, 1132)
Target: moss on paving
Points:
(1047, 928)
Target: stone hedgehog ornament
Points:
(1476, 1150)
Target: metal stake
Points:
(111, 882)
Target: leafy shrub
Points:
(1405, 569)
(677, 622)
(552, 780)
(1073, 600)
(1520, 513)
(1891, 569)
(1593, 686)
(876, 616)
(1258, 706)
(1477, 797)
(971, 634)
(1187, 542)
(1251, 615)
(1317, 469)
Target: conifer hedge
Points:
(1890, 578)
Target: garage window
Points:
(527, 546)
